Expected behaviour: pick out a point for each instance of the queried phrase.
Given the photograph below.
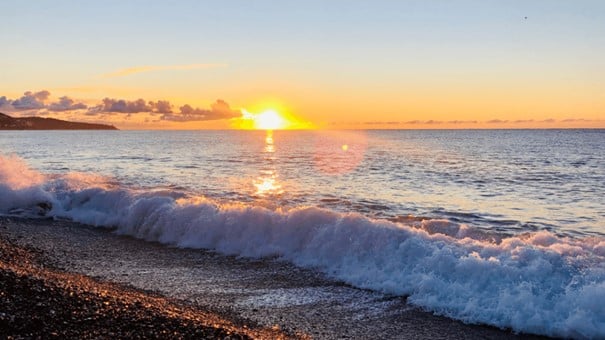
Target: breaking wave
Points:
(534, 282)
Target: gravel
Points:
(37, 301)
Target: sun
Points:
(269, 117)
(269, 120)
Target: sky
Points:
(324, 64)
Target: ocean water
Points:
(502, 227)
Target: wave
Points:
(536, 282)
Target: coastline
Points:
(190, 290)
(38, 300)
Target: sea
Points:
(497, 227)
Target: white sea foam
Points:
(536, 282)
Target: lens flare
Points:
(339, 152)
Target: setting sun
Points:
(269, 120)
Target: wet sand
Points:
(195, 292)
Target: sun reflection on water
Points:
(267, 183)
(269, 147)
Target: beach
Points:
(74, 280)
(325, 170)
(266, 237)
(39, 300)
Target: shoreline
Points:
(37, 300)
(263, 298)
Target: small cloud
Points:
(5, 102)
(432, 122)
(549, 120)
(423, 122)
(151, 68)
(161, 106)
(461, 122)
(571, 120)
(496, 121)
(66, 104)
(219, 110)
(111, 105)
(521, 121)
(381, 123)
(30, 101)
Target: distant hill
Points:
(38, 123)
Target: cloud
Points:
(468, 122)
(422, 122)
(462, 122)
(219, 110)
(161, 106)
(66, 104)
(381, 123)
(111, 105)
(5, 102)
(548, 120)
(36, 101)
(151, 68)
(30, 101)
(440, 122)
(568, 120)
(187, 113)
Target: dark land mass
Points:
(39, 123)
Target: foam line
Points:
(535, 282)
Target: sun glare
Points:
(270, 117)
(269, 120)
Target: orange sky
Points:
(426, 64)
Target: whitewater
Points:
(543, 276)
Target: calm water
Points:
(508, 180)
